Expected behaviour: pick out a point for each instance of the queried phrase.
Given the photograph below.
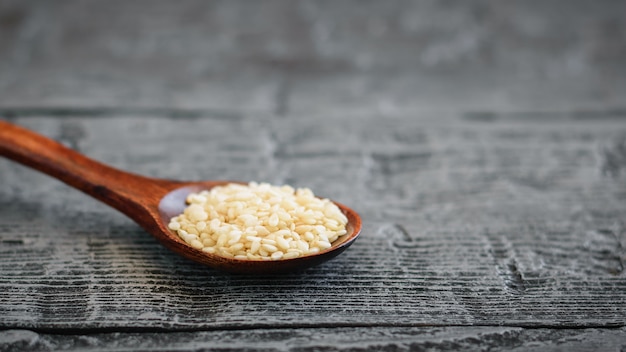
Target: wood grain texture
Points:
(508, 222)
(325, 339)
(281, 56)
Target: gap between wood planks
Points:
(193, 113)
(60, 112)
(106, 330)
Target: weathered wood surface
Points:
(483, 143)
(507, 222)
(332, 339)
(324, 56)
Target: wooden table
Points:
(483, 143)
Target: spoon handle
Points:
(123, 191)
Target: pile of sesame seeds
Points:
(259, 221)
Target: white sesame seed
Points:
(277, 255)
(290, 255)
(323, 244)
(269, 248)
(282, 243)
(196, 244)
(268, 241)
(255, 246)
(273, 220)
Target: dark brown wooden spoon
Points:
(150, 202)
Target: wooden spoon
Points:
(150, 202)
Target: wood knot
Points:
(398, 236)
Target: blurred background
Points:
(288, 58)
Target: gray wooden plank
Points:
(437, 56)
(507, 221)
(282, 56)
(326, 339)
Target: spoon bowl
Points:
(173, 203)
(150, 202)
